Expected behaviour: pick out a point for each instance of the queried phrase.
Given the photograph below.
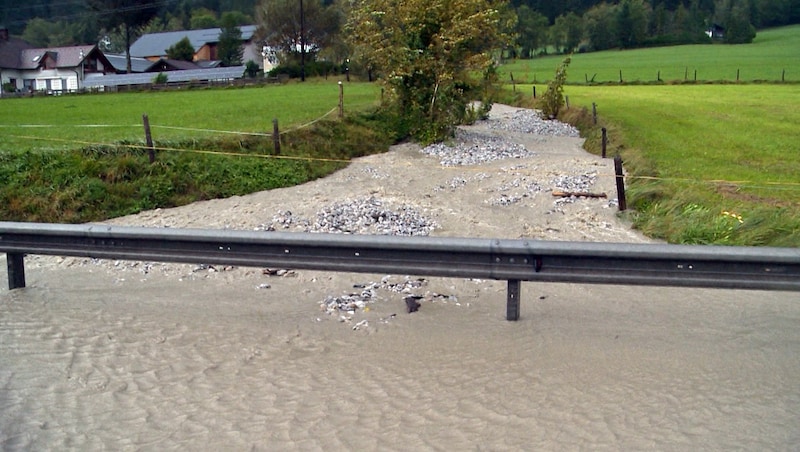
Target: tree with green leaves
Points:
(181, 50)
(531, 30)
(126, 15)
(202, 18)
(230, 50)
(429, 52)
(572, 28)
(281, 27)
(632, 23)
(600, 24)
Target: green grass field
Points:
(772, 56)
(66, 122)
(707, 163)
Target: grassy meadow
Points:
(772, 56)
(707, 163)
(65, 122)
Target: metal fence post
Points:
(512, 305)
(16, 270)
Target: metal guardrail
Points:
(510, 260)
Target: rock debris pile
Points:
(367, 215)
(529, 121)
(576, 183)
(473, 148)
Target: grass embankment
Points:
(112, 176)
(771, 57)
(708, 163)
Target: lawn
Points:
(65, 122)
(698, 151)
(773, 56)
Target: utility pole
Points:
(302, 44)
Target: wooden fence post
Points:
(623, 204)
(534, 91)
(276, 137)
(148, 138)
(604, 140)
(341, 100)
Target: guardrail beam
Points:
(510, 260)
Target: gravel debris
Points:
(474, 148)
(345, 306)
(575, 183)
(530, 121)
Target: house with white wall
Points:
(52, 70)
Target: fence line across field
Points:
(759, 268)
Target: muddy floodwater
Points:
(91, 361)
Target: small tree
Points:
(230, 42)
(553, 98)
(181, 50)
(251, 69)
(429, 53)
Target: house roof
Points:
(121, 65)
(167, 64)
(63, 56)
(223, 73)
(156, 44)
(10, 51)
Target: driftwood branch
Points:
(579, 194)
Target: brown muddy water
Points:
(93, 360)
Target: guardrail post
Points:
(512, 305)
(16, 270)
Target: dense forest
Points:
(542, 25)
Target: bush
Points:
(160, 79)
(553, 98)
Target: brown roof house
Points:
(52, 70)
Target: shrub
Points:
(553, 98)
(160, 79)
